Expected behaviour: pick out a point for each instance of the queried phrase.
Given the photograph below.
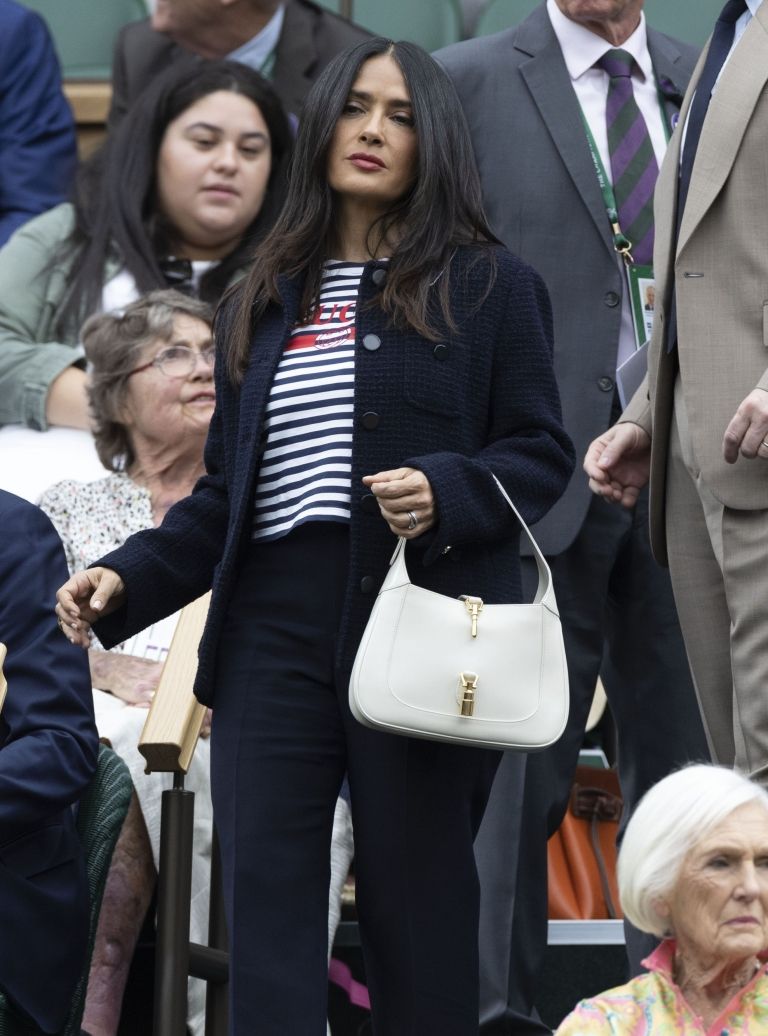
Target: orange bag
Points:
(581, 875)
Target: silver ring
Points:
(413, 521)
(764, 443)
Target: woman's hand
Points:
(133, 680)
(84, 598)
(404, 496)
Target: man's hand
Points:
(618, 463)
(747, 431)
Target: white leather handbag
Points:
(460, 670)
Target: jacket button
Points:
(611, 299)
(440, 352)
(370, 420)
(369, 503)
(372, 342)
(605, 384)
(379, 277)
(367, 584)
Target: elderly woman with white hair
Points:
(693, 869)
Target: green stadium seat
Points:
(689, 20)
(430, 23)
(501, 14)
(84, 32)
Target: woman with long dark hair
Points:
(383, 361)
(178, 197)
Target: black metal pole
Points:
(173, 905)
(217, 995)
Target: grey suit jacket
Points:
(310, 38)
(720, 269)
(543, 201)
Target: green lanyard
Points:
(268, 65)
(621, 242)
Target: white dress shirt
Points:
(741, 25)
(581, 49)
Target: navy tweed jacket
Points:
(483, 399)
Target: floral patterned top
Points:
(93, 518)
(652, 1005)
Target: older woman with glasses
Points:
(151, 397)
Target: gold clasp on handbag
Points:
(467, 688)
(474, 606)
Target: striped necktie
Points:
(633, 163)
(719, 49)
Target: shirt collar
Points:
(256, 51)
(582, 48)
(753, 6)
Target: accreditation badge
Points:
(642, 295)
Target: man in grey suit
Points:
(698, 427)
(527, 94)
(289, 42)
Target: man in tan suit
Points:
(698, 426)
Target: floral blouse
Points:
(652, 1005)
(93, 518)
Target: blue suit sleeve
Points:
(37, 130)
(48, 739)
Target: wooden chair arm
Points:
(175, 717)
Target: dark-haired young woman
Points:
(191, 180)
(382, 362)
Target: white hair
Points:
(667, 822)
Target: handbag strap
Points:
(544, 592)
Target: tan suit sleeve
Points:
(638, 409)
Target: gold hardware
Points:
(474, 606)
(468, 686)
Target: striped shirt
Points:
(306, 468)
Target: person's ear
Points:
(662, 909)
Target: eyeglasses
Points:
(178, 361)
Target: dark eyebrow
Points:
(361, 95)
(210, 128)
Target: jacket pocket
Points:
(435, 376)
(40, 850)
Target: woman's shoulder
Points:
(624, 1011)
(91, 499)
(47, 228)
(483, 258)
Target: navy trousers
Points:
(619, 621)
(282, 739)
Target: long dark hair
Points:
(115, 199)
(442, 210)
